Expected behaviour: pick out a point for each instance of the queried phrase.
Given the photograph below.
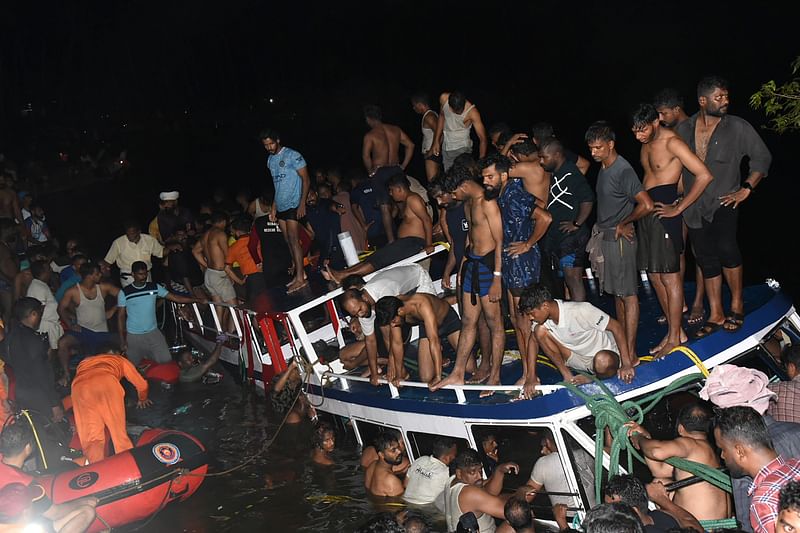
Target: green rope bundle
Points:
(610, 413)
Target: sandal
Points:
(661, 321)
(733, 322)
(707, 329)
(693, 318)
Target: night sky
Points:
(191, 81)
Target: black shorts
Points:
(451, 324)
(435, 158)
(396, 251)
(381, 182)
(289, 214)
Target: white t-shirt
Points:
(581, 329)
(427, 478)
(394, 282)
(549, 473)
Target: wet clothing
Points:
(516, 206)
(455, 135)
(451, 324)
(273, 245)
(284, 167)
(192, 374)
(98, 401)
(150, 345)
(477, 275)
(617, 187)
(581, 329)
(452, 510)
(395, 251)
(427, 479)
(394, 282)
(366, 197)
(458, 226)
(380, 180)
(549, 473)
(568, 189)
(427, 133)
(327, 226)
(662, 522)
(714, 244)
(26, 352)
(661, 239)
(219, 284)
(732, 140)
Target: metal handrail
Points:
(458, 389)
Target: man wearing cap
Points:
(26, 352)
(172, 217)
(131, 247)
(733, 386)
(21, 495)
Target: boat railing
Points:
(459, 390)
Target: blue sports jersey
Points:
(288, 184)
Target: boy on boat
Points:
(576, 335)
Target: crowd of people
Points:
(517, 219)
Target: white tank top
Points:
(427, 133)
(456, 134)
(258, 211)
(453, 512)
(91, 314)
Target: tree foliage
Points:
(781, 103)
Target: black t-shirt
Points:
(327, 225)
(459, 229)
(366, 197)
(662, 522)
(182, 264)
(171, 221)
(276, 258)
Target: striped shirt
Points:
(765, 492)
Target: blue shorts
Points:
(477, 275)
(568, 261)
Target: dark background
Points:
(186, 86)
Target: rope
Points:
(722, 523)
(693, 357)
(609, 413)
(27, 415)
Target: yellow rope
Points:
(36, 436)
(693, 357)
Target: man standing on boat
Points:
(721, 141)
(693, 424)
(576, 335)
(664, 155)
(524, 224)
(481, 277)
(380, 153)
(421, 106)
(359, 298)
(457, 117)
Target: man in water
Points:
(292, 182)
(136, 317)
(193, 371)
(721, 141)
(576, 335)
(429, 475)
(570, 201)
(421, 105)
(211, 252)
(324, 440)
(414, 234)
(664, 155)
(693, 425)
(524, 224)
(437, 320)
(457, 117)
(359, 298)
(132, 247)
(380, 152)
(481, 278)
(620, 202)
(379, 479)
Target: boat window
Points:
(763, 358)
(315, 318)
(422, 443)
(369, 432)
(583, 468)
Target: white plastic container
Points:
(348, 248)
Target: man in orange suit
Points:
(99, 402)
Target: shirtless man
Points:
(210, 251)
(703, 500)
(436, 319)
(481, 277)
(456, 118)
(664, 155)
(9, 266)
(536, 179)
(380, 152)
(379, 479)
(9, 202)
(414, 234)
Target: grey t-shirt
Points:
(192, 374)
(617, 187)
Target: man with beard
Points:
(481, 277)
(620, 202)
(722, 141)
(669, 104)
(380, 152)
(359, 303)
(379, 479)
(541, 131)
(524, 224)
(172, 217)
(570, 202)
(664, 156)
(747, 450)
(292, 182)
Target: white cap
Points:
(171, 195)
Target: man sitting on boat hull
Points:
(576, 335)
(436, 319)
